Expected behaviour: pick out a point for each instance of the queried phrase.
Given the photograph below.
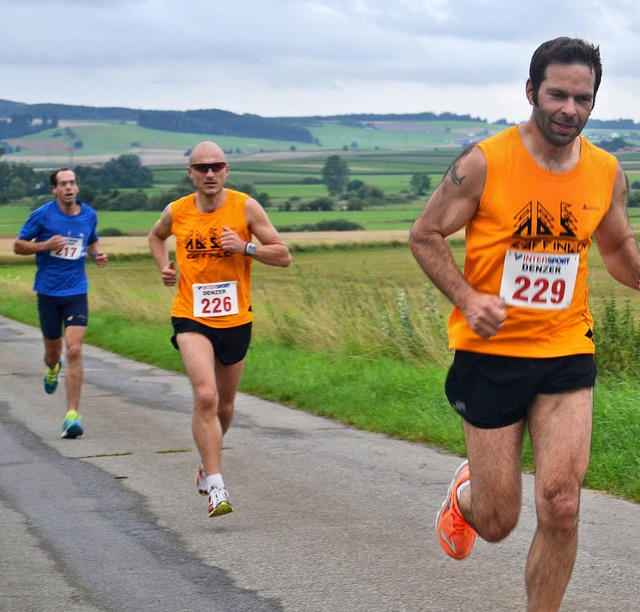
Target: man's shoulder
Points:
(186, 200)
(235, 195)
(594, 149)
(506, 135)
(46, 207)
(87, 209)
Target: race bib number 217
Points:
(72, 249)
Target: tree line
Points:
(223, 123)
(120, 184)
(18, 181)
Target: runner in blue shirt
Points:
(60, 234)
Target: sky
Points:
(284, 58)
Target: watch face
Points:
(251, 249)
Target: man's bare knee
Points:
(206, 399)
(74, 352)
(558, 512)
(498, 524)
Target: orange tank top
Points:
(528, 243)
(214, 286)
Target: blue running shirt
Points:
(63, 274)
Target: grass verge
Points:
(392, 395)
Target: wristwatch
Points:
(250, 249)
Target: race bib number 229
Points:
(544, 281)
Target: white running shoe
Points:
(201, 481)
(219, 502)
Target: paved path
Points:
(326, 517)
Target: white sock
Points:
(214, 481)
(461, 488)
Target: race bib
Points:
(215, 299)
(71, 250)
(544, 281)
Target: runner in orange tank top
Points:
(211, 313)
(530, 199)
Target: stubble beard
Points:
(545, 125)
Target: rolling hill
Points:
(55, 133)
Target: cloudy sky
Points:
(308, 57)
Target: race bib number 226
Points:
(215, 299)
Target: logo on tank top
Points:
(200, 245)
(538, 228)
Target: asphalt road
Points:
(326, 517)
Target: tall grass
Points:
(357, 316)
(618, 340)
(359, 336)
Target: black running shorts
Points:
(58, 312)
(230, 344)
(491, 391)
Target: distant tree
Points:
(111, 231)
(634, 200)
(337, 225)
(124, 172)
(87, 194)
(121, 200)
(356, 203)
(127, 171)
(323, 203)
(290, 204)
(225, 123)
(355, 185)
(420, 183)
(371, 194)
(131, 200)
(264, 199)
(247, 188)
(335, 174)
(17, 189)
(613, 145)
(18, 181)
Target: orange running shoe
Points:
(456, 536)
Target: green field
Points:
(354, 332)
(140, 222)
(391, 217)
(357, 335)
(117, 138)
(113, 138)
(384, 155)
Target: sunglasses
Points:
(204, 168)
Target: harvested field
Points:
(124, 245)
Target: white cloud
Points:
(307, 57)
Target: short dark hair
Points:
(53, 177)
(564, 50)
